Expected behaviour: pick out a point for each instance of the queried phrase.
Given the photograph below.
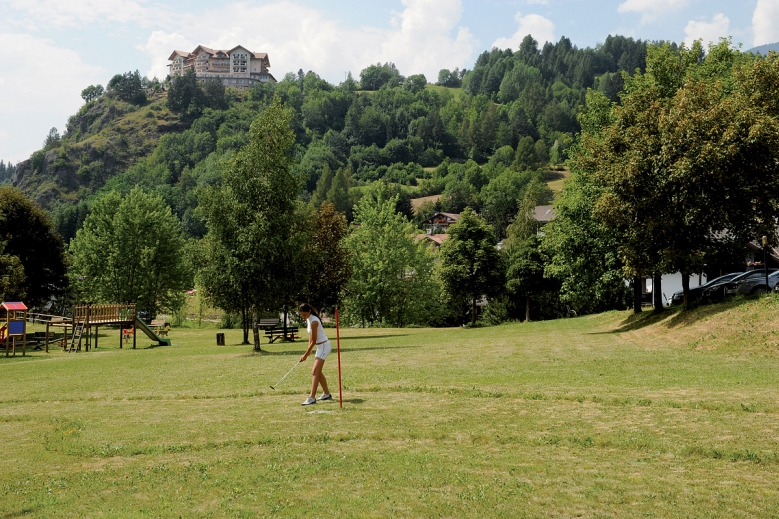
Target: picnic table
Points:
(288, 333)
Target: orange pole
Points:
(338, 342)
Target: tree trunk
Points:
(473, 312)
(256, 329)
(245, 325)
(686, 290)
(637, 295)
(527, 309)
(657, 292)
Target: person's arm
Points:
(311, 340)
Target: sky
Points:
(52, 49)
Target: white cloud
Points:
(424, 38)
(77, 13)
(38, 93)
(765, 22)
(542, 30)
(651, 10)
(709, 32)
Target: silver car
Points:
(753, 284)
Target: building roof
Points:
(14, 306)
(453, 217)
(544, 213)
(220, 52)
(438, 239)
(178, 53)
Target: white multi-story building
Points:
(235, 68)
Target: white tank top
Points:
(320, 330)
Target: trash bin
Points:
(220, 339)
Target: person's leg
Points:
(317, 377)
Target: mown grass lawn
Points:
(602, 416)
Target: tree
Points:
(338, 194)
(330, 266)
(376, 76)
(185, 95)
(52, 139)
(672, 192)
(471, 266)
(249, 258)
(91, 93)
(214, 94)
(524, 262)
(128, 87)
(582, 253)
(130, 250)
(392, 280)
(31, 252)
(416, 83)
(322, 186)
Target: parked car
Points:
(752, 284)
(696, 292)
(716, 292)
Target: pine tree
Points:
(338, 195)
(323, 186)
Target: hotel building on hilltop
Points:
(235, 68)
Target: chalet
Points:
(434, 240)
(440, 222)
(543, 214)
(237, 68)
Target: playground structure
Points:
(14, 327)
(79, 330)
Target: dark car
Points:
(719, 291)
(695, 293)
(753, 284)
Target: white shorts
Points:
(323, 350)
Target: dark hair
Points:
(305, 307)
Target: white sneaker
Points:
(309, 401)
(326, 396)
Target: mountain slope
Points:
(104, 138)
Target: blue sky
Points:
(55, 48)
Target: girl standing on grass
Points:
(316, 340)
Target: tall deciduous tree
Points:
(130, 250)
(31, 252)
(91, 93)
(471, 265)
(249, 257)
(392, 280)
(329, 262)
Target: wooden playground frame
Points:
(85, 317)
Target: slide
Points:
(140, 325)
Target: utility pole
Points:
(765, 263)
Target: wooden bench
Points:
(290, 333)
(267, 324)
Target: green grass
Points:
(602, 416)
(456, 92)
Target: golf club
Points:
(273, 387)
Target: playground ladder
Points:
(78, 331)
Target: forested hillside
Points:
(486, 131)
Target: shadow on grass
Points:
(675, 316)
(373, 336)
(333, 352)
(354, 401)
(21, 513)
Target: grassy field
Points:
(600, 416)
